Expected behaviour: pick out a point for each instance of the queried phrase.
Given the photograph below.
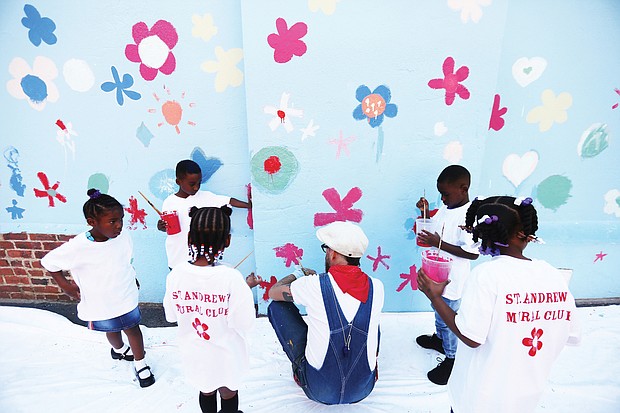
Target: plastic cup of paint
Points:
(173, 226)
(435, 266)
(422, 224)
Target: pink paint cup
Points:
(422, 224)
(435, 266)
(173, 226)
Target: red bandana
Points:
(351, 280)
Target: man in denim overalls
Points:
(334, 350)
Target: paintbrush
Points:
(245, 258)
(151, 204)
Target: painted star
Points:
(309, 130)
(411, 278)
(342, 144)
(600, 256)
(379, 260)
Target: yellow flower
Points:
(553, 109)
(226, 68)
(203, 27)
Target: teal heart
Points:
(527, 70)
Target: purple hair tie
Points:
(95, 194)
(523, 201)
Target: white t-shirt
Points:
(522, 314)
(449, 220)
(102, 270)
(307, 292)
(214, 308)
(176, 245)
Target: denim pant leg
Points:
(290, 328)
(449, 339)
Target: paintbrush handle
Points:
(245, 258)
(151, 204)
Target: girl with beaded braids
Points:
(516, 313)
(104, 281)
(214, 309)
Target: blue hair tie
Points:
(95, 194)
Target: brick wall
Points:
(21, 275)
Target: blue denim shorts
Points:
(120, 323)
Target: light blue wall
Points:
(401, 45)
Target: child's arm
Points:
(434, 291)
(253, 280)
(69, 287)
(240, 204)
(432, 239)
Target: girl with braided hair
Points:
(104, 281)
(516, 313)
(214, 309)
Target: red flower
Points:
(267, 286)
(451, 80)
(201, 329)
(137, 214)
(534, 343)
(49, 192)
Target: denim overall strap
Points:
(345, 376)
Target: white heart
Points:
(525, 70)
(440, 129)
(517, 168)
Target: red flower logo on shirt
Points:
(201, 329)
(534, 343)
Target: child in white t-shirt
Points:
(516, 314)
(189, 177)
(453, 185)
(104, 280)
(214, 308)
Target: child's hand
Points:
(422, 204)
(429, 287)
(429, 238)
(72, 290)
(161, 225)
(253, 280)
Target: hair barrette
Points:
(487, 219)
(493, 252)
(499, 244)
(520, 201)
(95, 194)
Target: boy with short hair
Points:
(453, 185)
(189, 178)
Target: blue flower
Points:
(121, 87)
(375, 105)
(41, 28)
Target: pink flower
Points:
(153, 48)
(451, 80)
(201, 329)
(534, 343)
(286, 43)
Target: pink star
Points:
(600, 256)
(343, 208)
(451, 80)
(378, 260)
(290, 252)
(342, 144)
(412, 278)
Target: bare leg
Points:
(134, 335)
(115, 339)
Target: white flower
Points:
(470, 9)
(282, 114)
(612, 202)
(35, 85)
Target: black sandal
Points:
(147, 381)
(121, 356)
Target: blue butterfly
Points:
(208, 166)
(40, 28)
(121, 87)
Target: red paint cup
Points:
(435, 266)
(173, 226)
(420, 224)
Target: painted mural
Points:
(318, 111)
